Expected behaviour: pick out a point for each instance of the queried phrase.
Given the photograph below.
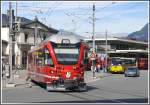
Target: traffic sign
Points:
(92, 56)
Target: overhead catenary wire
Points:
(36, 10)
(78, 18)
(99, 9)
(79, 15)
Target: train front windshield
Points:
(67, 55)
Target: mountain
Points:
(141, 35)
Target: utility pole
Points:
(11, 20)
(106, 52)
(93, 28)
(93, 61)
(16, 10)
(17, 31)
(14, 38)
(10, 39)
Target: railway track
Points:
(94, 98)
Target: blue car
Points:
(132, 72)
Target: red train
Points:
(59, 62)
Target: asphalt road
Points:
(113, 88)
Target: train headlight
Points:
(68, 74)
(51, 72)
(74, 68)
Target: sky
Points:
(118, 18)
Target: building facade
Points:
(118, 47)
(31, 33)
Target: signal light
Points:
(16, 26)
(75, 68)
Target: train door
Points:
(39, 63)
(85, 59)
(45, 66)
(48, 67)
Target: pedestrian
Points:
(98, 67)
(7, 70)
(3, 69)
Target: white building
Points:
(25, 39)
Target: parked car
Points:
(132, 72)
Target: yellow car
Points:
(116, 69)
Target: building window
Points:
(24, 58)
(26, 38)
(44, 37)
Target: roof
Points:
(62, 31)
(5, 20)
(129, 51)
(25, 23)
(117, 39)
(58, 38)
(29, 24)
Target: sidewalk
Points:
(21, 80)
(98, 75)
(18, 81)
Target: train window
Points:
(40, 57)
(67, 55)
(66, 41)
(35, 56)
(48, 58)
(85, 57)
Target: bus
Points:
(129, 61)
(143, 63)
(115, 65)
(59, 63)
